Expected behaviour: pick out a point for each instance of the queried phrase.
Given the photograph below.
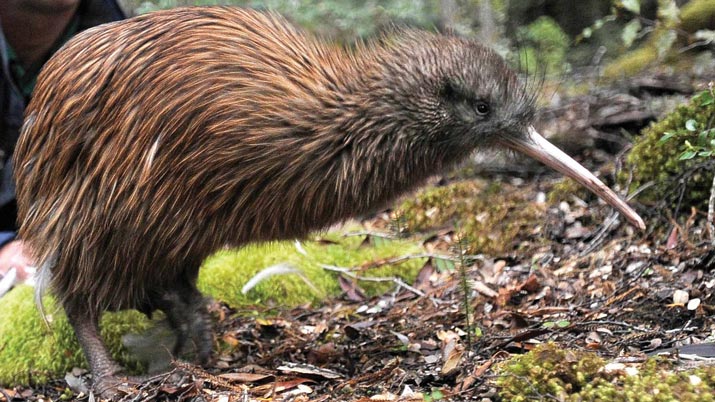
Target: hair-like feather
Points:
(152, 142)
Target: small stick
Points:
(399, 282)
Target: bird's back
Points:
(142, 135)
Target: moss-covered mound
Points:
(652, 159)
(224, 274)
(488, 217)
(32, 353)
(552, 372)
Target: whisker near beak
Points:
(537, 147)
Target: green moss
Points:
(565, 188)
(657, 48)
(32, 353)
(697, 14)
(632, 62)
(546, 46)
(577, 376)
(658, 162)
(488, 216)
(434, 207)
(547, 370)
(224, 274)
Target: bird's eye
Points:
(482, 108)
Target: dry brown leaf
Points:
(245, 377)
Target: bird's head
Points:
(457, 96)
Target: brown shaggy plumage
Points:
(154, 141)
(151, 143)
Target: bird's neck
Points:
(365, 155)
(342, 147)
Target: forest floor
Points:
(581, 280)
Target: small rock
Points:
(540, 197)
(603, 271)
(680, 297)
(614, 367)
(634, 266)
(693, 304)
(576, 231)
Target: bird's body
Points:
(198, 131)
(152, 142)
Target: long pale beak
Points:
(542, 150)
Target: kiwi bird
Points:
(152, 142)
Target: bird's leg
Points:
(200, 326)
(186, 313)
(104, 369)
(174, 309)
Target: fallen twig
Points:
(399, 282)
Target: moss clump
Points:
(224, 274)
(434, 207)
(547, 370)
(546, 46)
(698, 14)
(32, 353)
(653, 160)
(579, 376)
(565, 188)
(632, 62)
(488, 216)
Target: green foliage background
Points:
(342, 19)
(541, 36)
